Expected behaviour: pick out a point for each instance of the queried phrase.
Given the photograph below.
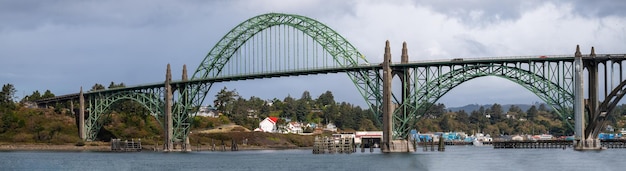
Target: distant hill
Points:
(505, 107)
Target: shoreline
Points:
(105, 147)
(51, 147)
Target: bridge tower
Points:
(586, 138)
(185, 100)
(81, 115)
(389, 143)
(169, 131)
(387, 104)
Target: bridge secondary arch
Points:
(433, 89)
(100, 104)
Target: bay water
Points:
(458, 158)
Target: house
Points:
(207, 112)
(252, 113)
(268, 125)
(331, 127)
(294, 127)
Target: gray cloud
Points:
(480, 12)
(598, 8)
(62, 45)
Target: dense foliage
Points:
(321, 110)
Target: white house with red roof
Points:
(294, 127)
(268, 125)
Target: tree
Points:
(113, 85)
(223, 99)
(542, 107)
(96, 87)
(35, 96)
(532, 113)
(496, 113)
(306, 97)
(367, 125)
(289, 109)
(325, 99)
(437, 110)
(47, 94)
(516, 111)
(462, 117)
(7, 95)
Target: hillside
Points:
(505, 107)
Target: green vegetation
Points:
(322, 110)
(20, 123)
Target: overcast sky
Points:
(63, 45)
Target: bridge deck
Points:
(314, 71)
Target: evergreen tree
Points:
(7, 95)
(47, 94)
(532, 113)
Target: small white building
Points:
(330, 127)
(294, 127)
(207, 112)
(268, 125)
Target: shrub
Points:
(80, 143)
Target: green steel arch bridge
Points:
(281, 45)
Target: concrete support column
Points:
(579, 108)
(81, 115)
(169, 132)
(387, 104)
(185, 94)
(405, 78)
(586, 138)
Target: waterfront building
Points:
(268, 125)
(207, 111)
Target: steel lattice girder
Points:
(99, 105)
(343, 53)
(429, 83)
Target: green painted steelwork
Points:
(99, 104)
(549, 77)
(551, 81)
(343, 53)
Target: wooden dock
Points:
(330, 145)
(125, 146)
(533, 144)
(616, 143)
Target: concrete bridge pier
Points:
(183, 92)
(389, 144)
(169, 132)
(585, 138)
(81, 115)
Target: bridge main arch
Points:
(431, 90)
(343, 53)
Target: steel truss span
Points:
(551, 81)
(277, 45)
(260, 47)
(100, 103)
